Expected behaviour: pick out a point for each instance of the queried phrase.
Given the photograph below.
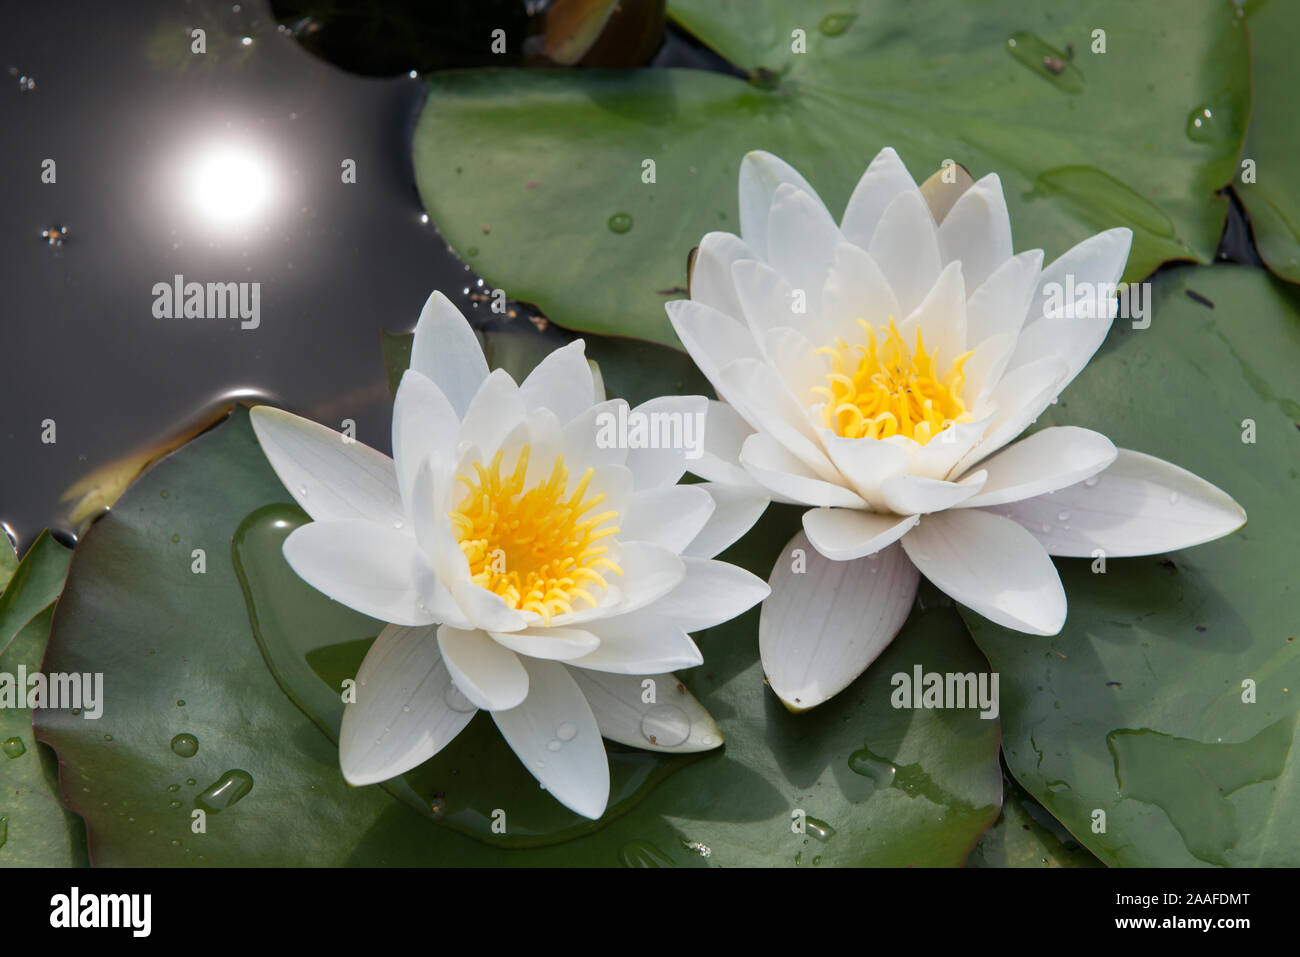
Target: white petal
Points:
(941, 317)
(826, 620)
(713, 340)
(724, 433)
(496, 409)
(977, 230)
(776, 469)
(914, 494)
(1020, 397)
(710, 593)
(884, 179)
(936, 458)
(676, 426)
(623, 715)
(865, 463)
(490, 675)
(577, 771)
(1001, 302)
(767, 404)
(992, 565)
(561, 382)
(425, 426)
(1043, 462)
(843, 534)
(760, 175)
(671, 516)
(711, 282)
(330, 478)
(638, 644)
(446, 350)
(649, 573)
(766, 299)
(583, 440)
(907, 249)
(1097, 261)
(401, 716)
(557, 644)
(801, 241)
(856, 289)
(736, 510)
(1140, 505)
(362, 565)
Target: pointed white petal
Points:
(1020, 397)
(561, 382)
(574, 769)
(768, 461)
(425, 426)
(710, 593)
(446, 350)
(767, 300)
(855, 289)
(496, 409)
(401, 716)
(711, 282)
(490, 675)
(913, 495)
(1140, 505)
(843, 534)
(591, 438)
(713, 340)
(1043, 462)
(827, 621)
(673, 722)
(991, 565)
(556, 644)
(1001, 302)
(676, 426)
(884, 179)
(760, 175)
(736, 510)
(331, 479)
(768, 405)
(941, 318)
(362, 565)
(724, 433)
(865, 463)
(671, 516)
(801, 241)
(638, 644)
(977, 230)
(906, 247)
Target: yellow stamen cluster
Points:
(882, 389)
(533, 547)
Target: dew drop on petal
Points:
(457, 701)
(567, 731)
(1090, 481)
(665, 725)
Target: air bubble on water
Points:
(424, 217)
(54, 235)
(26, 83)
(246, 41)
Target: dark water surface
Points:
(161, 156)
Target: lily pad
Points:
(1025, 835)
(1273, 142)
(35, 830)
(1170, 700)
(163, 634)
(540, 180)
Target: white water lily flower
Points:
(876, 370)
(523, 569)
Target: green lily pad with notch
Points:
(537, 179)
(35, 830)
(135, 609)
(1273, 142)
(1138, 708)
